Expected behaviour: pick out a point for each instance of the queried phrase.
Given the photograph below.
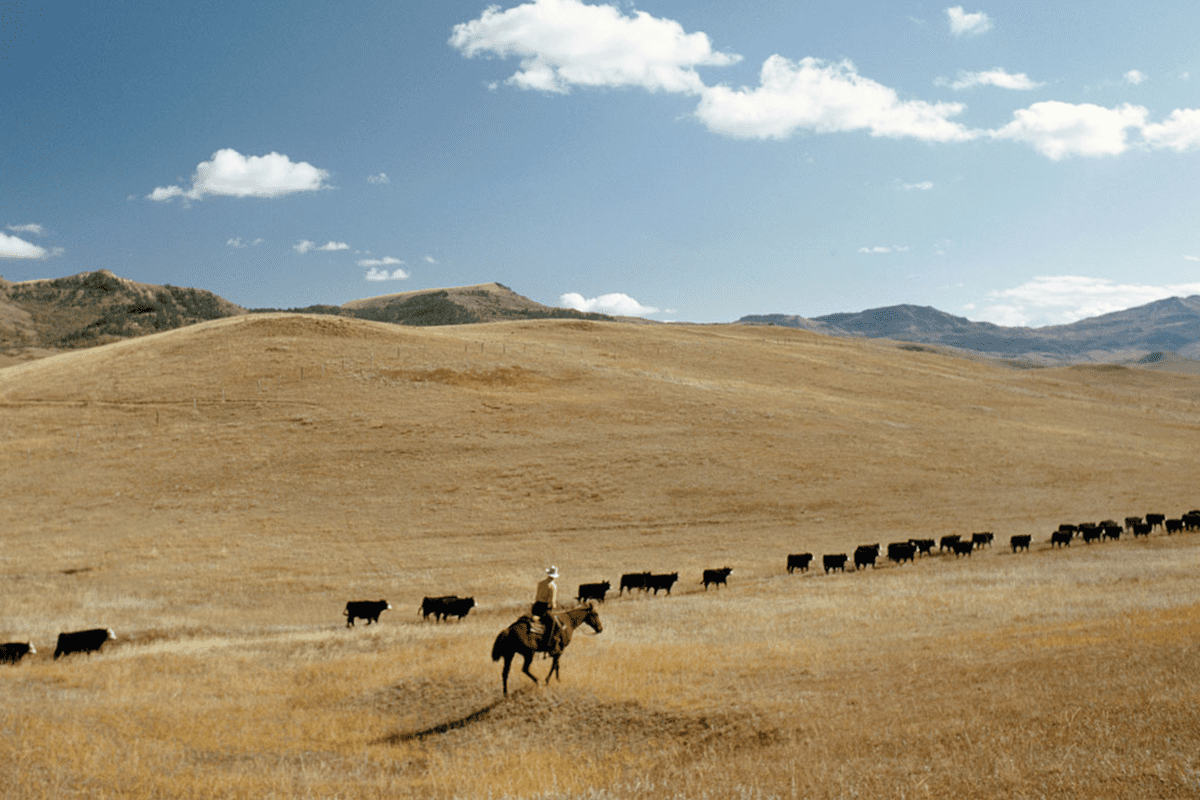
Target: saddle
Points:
(534, 636)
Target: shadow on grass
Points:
(474, 716)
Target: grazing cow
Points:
(592, 591)
(458, 607)
(1090, 534)
(656, 582)
(1141, 529)
(963, 548)
(88, 641)
(13, 652)
(901, 551)
(1020, 542)
(1173, 525)
(948, 542)
(982, 539)
(834, 562)
(798, 561)
(434, 606)
(634, 580)
(1060, 538)
(364, 609)
(1111, 531)
(1191, 520)
(1155, 520)
(1071, 529)
(1131, 521)
(717, 577)
(865, 554)
(924, 546)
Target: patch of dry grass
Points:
(217, 494)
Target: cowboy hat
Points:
(552, 572)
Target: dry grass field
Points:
(217, 493)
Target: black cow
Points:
(13, 652)
(593, 591)
(865, 554)
(1071, 529)
(1111, 531)
(1131, 521)
(656, 582)
(717, 577)
(834, 562)
(1191, 520)
(1155, 520)
(1141, 529)
(364, 609)
(458, 607)
(963, 549)
(433, 606)
(634, 580)
(1090, 534)
(1173, 525)
(901, 551)
(1020, 541)
(948, 542)
(798, 561)
(1060, 538)
(88, 641)
(982, 539)
(924, 546)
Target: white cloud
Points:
(1192, 258)
(229, 173)
(238, 242)
(879, 249)
(991, 77)
(304, 246)
(32, 227)
(565, 43)
(923, 186)
(375, 273)
(386, 261)
(1134, 77)
(1061, 299)
(617, 304)
(1180, 132)
(823, 97)
(1056, 129)
(380, 178)
(15, 247)
(968, 24)
(430, 260)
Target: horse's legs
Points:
(504, 675)
(553, 670)
(528, 658)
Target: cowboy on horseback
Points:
(544, 602)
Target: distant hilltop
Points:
(42, 317)
(1157, 329)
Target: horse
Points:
(517, 638)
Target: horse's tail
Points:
(497, 648)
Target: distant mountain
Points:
(1171, 325)
(41, 317)
(95, 308)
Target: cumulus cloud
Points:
(1180, 132)
(15, 247)
(232, 174)
(1134, 77)
(305, 246)
(31, 227)
(967, 24)
(823, 97)
(1056, 129)
(380, 178)
(377, 271)
(617, 304)
(565, 43)
(991, 77)
(1062, 299)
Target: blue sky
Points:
(1017, 162)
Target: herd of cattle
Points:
(446, 606)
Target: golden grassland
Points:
(216, 494)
